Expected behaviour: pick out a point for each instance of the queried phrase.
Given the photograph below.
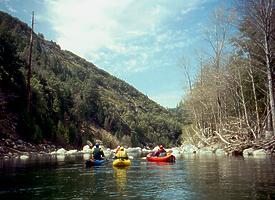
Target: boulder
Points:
(189, 148)
(176, 152)
(24, 157)
(53, 153)
(134, 152)
(205, 150)
(248, 152)
(200, 145)
(220, 152)
(108, 153)
(61, 151)
(259, 152)
(19, 141)
(145, 152)
(70, 152)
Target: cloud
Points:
(127, 31)
(97, 24)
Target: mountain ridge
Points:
(72, 93)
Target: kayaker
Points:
(98, 153)
(121, 154)
(161, 152)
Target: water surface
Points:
(193, 177)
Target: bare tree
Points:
(259, 15)
(218, 38)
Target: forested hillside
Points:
(72, 99)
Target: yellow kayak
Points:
(121, 162)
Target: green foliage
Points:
(63, 132)
(72, 134)
(11, 78)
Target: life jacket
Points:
(160, 153)
(122, 154)
(97, 153)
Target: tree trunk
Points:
(243, 100)
(29, 75)
(255, 99)
(270, 81)
(268, 116)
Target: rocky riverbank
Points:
(17, 148)
(13, 148)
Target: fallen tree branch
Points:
(200, 137)
(269, 143)
(222, 138)
(15, 150)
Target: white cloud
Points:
(97, 24)
(87, 27)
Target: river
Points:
(192, 177)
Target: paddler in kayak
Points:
(121, 154)
(161, 152)
(98, 153)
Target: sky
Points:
(142, 42)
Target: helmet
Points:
(96, 145)
(161, 147)
(121, 149)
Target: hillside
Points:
(72, 99)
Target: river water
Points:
(192, 177)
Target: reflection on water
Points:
(86, 156)
(193, 177)
(60, 157)
(120, 175)
(159, 166)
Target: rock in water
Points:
(61, 151)
(24, 157)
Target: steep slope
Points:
(73, 100)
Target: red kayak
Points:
(168, 158)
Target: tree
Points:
(30, 66)
(260, 27)
(217, 37)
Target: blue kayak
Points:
(90, 163)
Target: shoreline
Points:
(17, 148)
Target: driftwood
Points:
(15, 150)
(200, 137)
(236, 142)
(222, 138)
